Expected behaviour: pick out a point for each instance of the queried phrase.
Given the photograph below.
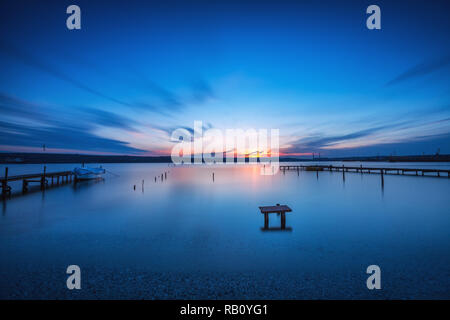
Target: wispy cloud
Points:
(201, 91)
(49, 115)
(161, 100)
(404, 131)
(169, 130)
(60, 137)
(421, 69)
(167, 101)
(316, 142)
(34, 61)
(70, 129)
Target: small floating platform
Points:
(275, 209)
(279, 209)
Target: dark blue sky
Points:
(139, 69)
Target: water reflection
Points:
(276, 229)
(282, 226)
(85, 184)
(191, 223)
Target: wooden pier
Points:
(41, 178)
(379, 170)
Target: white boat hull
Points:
(87, 176)
(88, 173)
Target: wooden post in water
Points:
(343, 173)
(24, 185)
(382, 178)
(5, 182)
(43, 178)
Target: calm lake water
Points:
(188, 236)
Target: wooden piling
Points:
(43, 178)
(5, 187)
(283, 220)
(24, 186)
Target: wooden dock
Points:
(380, 170)
(42, 178)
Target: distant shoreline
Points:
(37, 158)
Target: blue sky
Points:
(139, 69)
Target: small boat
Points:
(88, 173)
